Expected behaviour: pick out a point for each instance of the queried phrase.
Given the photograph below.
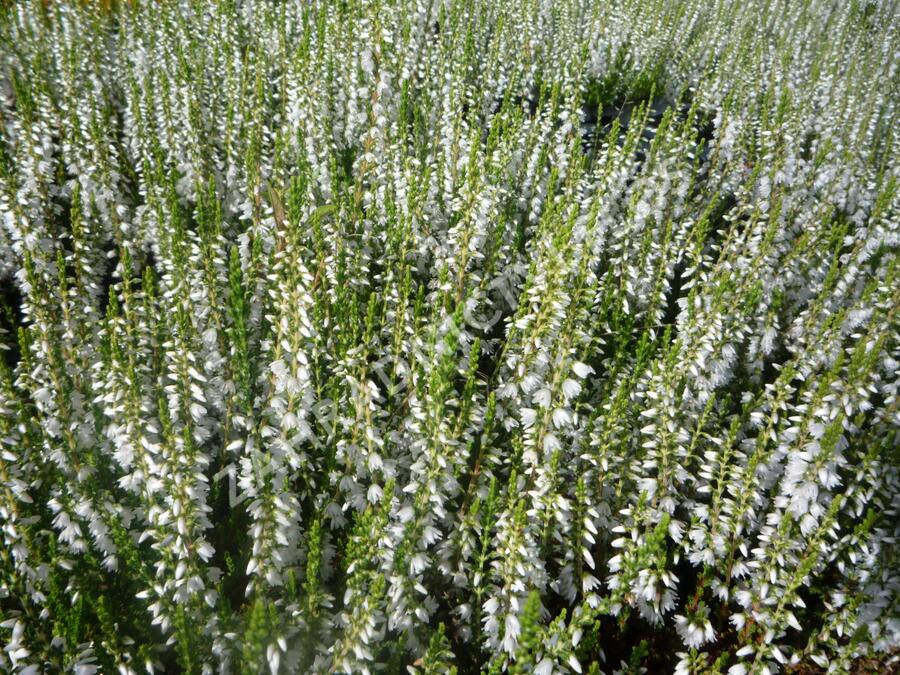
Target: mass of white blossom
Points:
(432, 336)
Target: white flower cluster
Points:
(366, 336)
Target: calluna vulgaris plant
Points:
(527, 336)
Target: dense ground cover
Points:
(507, 335)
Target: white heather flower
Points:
(695, 632)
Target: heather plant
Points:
(439, 336)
